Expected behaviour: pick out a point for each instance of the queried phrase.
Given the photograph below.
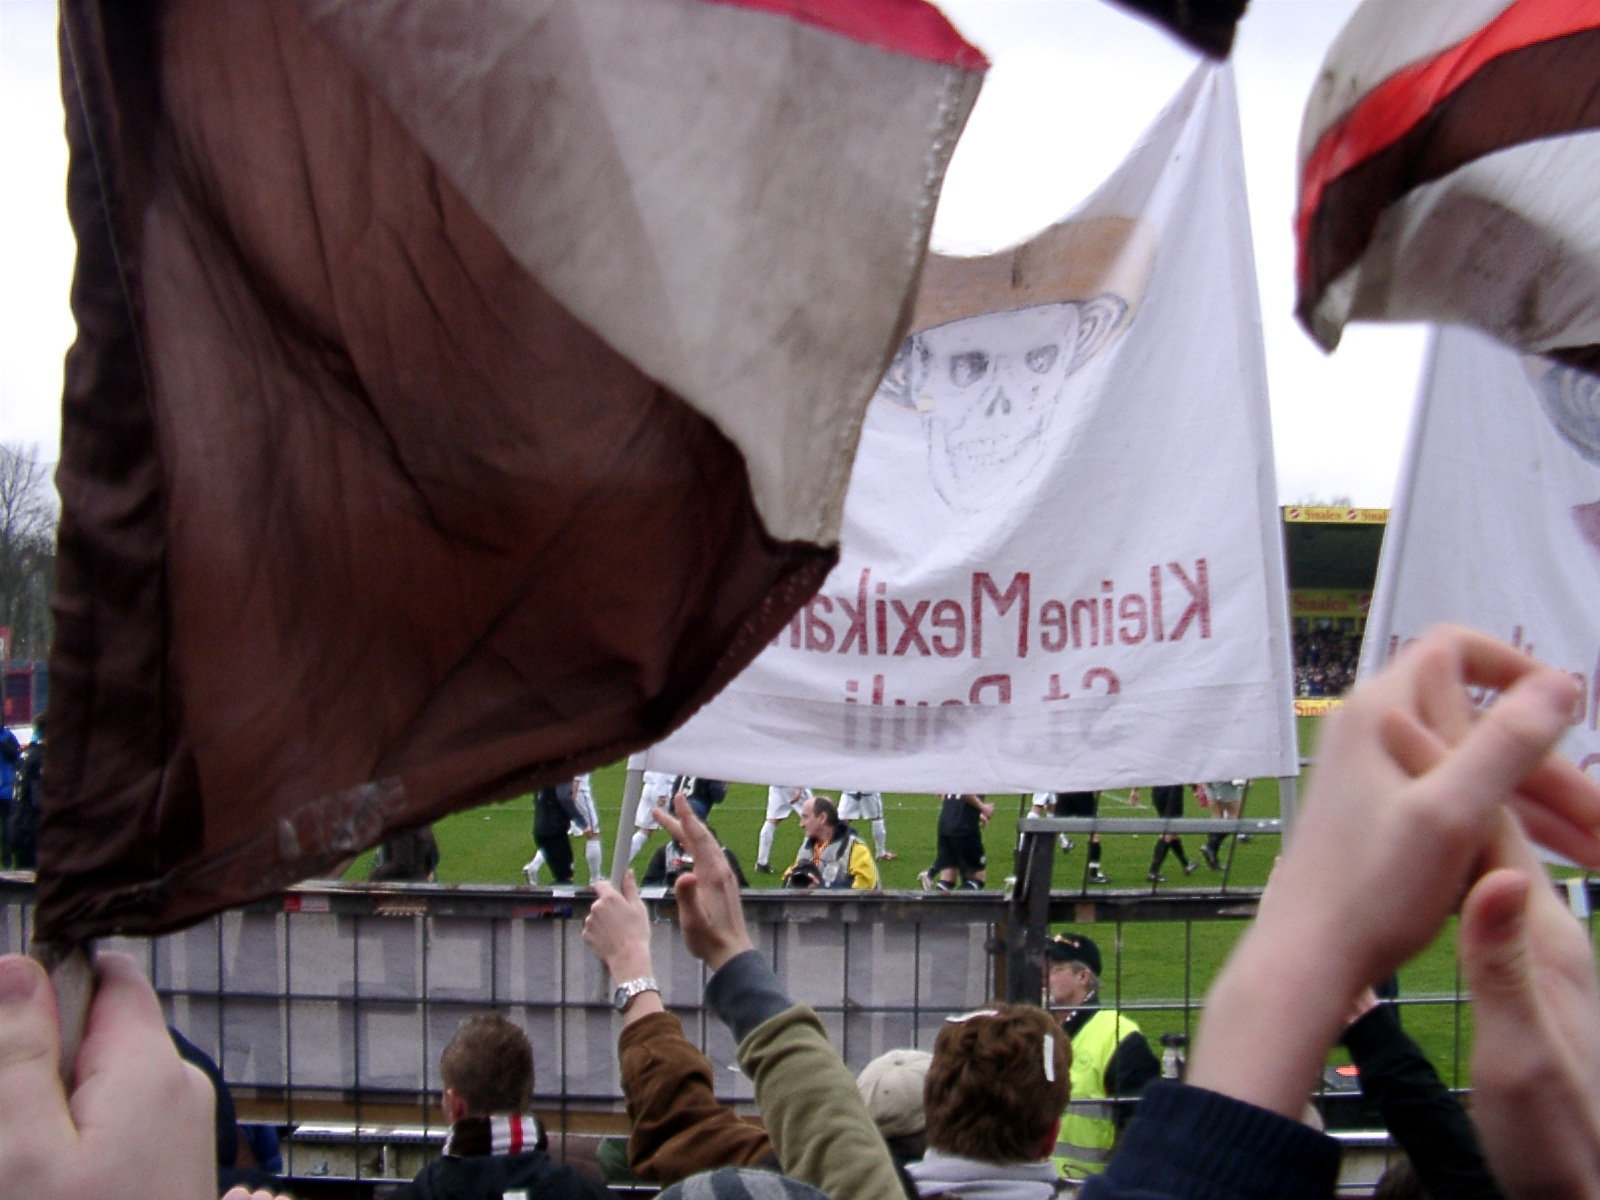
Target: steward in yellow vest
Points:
(1110, 1058)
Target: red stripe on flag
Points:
(1396, 106)
(913, 28)
(516, 1136)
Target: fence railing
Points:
(342, 996)
(329, 1005)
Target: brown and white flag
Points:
(464, 390)
(1450, 171)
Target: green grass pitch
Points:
(1158, 971)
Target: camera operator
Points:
(832, 855)
(672, 860)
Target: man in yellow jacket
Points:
(1110, 1057)
(832, 855)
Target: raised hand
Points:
(1415, 796)
(709, 911)
(1410, 793)
(617, 929)
(1536, 1053)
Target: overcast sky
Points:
(1074, 83)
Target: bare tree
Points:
(1314, 501)
(27, 548)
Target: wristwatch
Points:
(627, 991)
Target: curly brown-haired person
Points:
(496, 1146)
(996, 1088)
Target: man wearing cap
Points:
(892, 1084)
(1110, 1057)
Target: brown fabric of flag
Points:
(361, 524)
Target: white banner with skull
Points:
(1496, 522)
(1061, 563)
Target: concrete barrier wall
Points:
(348, 994)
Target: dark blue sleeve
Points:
(1186, 1143)
(1422, 1115)
(745, 992)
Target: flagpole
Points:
(632, 788)
(72, 976)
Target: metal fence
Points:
(327, 1007)
(332, 1002)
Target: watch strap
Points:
(630, 988)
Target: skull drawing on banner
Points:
(989, 388)
(1571, 401)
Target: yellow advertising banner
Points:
(1316, 706)
(1329, 602)
(1328, 514)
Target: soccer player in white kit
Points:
(868, 806)
(782, 802)
(657, 789)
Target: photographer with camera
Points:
(672, 860)
(832, 855)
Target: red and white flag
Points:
(1450, 171)
(1061, 562)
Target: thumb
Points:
(630, 886)
(1494, 952)
(33, 1108)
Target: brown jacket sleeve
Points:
(679, 1126)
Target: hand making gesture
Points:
(709, 910)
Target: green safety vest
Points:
(1087, 1129)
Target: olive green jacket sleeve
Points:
(813, 1112)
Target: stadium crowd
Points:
(1325, 661)
(1421, 809)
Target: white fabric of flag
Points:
(1496, 522)
(1061, 565)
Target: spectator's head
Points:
(1074, 963)
(819, 817)
(486, 1069)
(892, 1086)
(998, 1084)
(740, 1183)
